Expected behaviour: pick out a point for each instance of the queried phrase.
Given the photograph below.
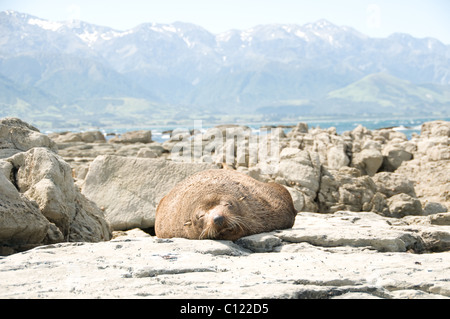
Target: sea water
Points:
(408, 126)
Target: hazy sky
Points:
(376, 18)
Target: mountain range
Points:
(73, 73)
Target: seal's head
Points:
(219, 217)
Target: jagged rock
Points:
(39, 200)
(401, 205)
(21, 222)
(17, 136)
(300, 169)
(147, 153)
(300, 128)
(341, 190)
(45, 178)
(298, 198)
(432, 208)
(129, 189)
(340, 254)
(435, 129)
(85, 137)
(431, 163)
(133, 137)
(368, 161)
(394, 156)
(440, 219)
(260, 243)
(391, 184)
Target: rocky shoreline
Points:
(373, 214)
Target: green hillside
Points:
(388, 91)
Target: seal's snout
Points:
(218, 220)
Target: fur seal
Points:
(223, 204)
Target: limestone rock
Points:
(440, 219)
(300, 169)
(147, 153)
(342, 255)
(300, 128)
(431, 163)
(349, 229)
(298, 198)
(345, 190)
(85, 137)
(45, 178)
(17, 136)
(129, 189)
(260, 243)
(403, 204)
(435, 129)
(394, 156)
(432, 208)
(21, 222)
(391, 184)
(133, 137)
(368, 161)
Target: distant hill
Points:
(389, 94)
(75, 73)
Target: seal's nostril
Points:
(218, 220)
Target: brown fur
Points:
(246, 206)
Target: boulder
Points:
(17, 136)
(394, 156)
(368, 161)
(432, 208)
(21, 222)
(345, 190)
(299, 129)
(133, 137)
(85, 137)
(44, 177)
(300, 169)
(430, 164)
(401, 205)
(391, 184)
(129, 189)
(435, 129)
(147, 153)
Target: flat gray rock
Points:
(141, 266)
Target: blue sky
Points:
(376, 18)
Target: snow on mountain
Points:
(184, 64)
(44, 24)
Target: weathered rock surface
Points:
(129, 189)
(361, 255)
(17, 136)
(85, 137)
(430, 167)
(133, 137)
(21, 222)
(39, 202)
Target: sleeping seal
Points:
(223, 204)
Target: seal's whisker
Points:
(208, 232)
(237, 222)
(203, 233)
